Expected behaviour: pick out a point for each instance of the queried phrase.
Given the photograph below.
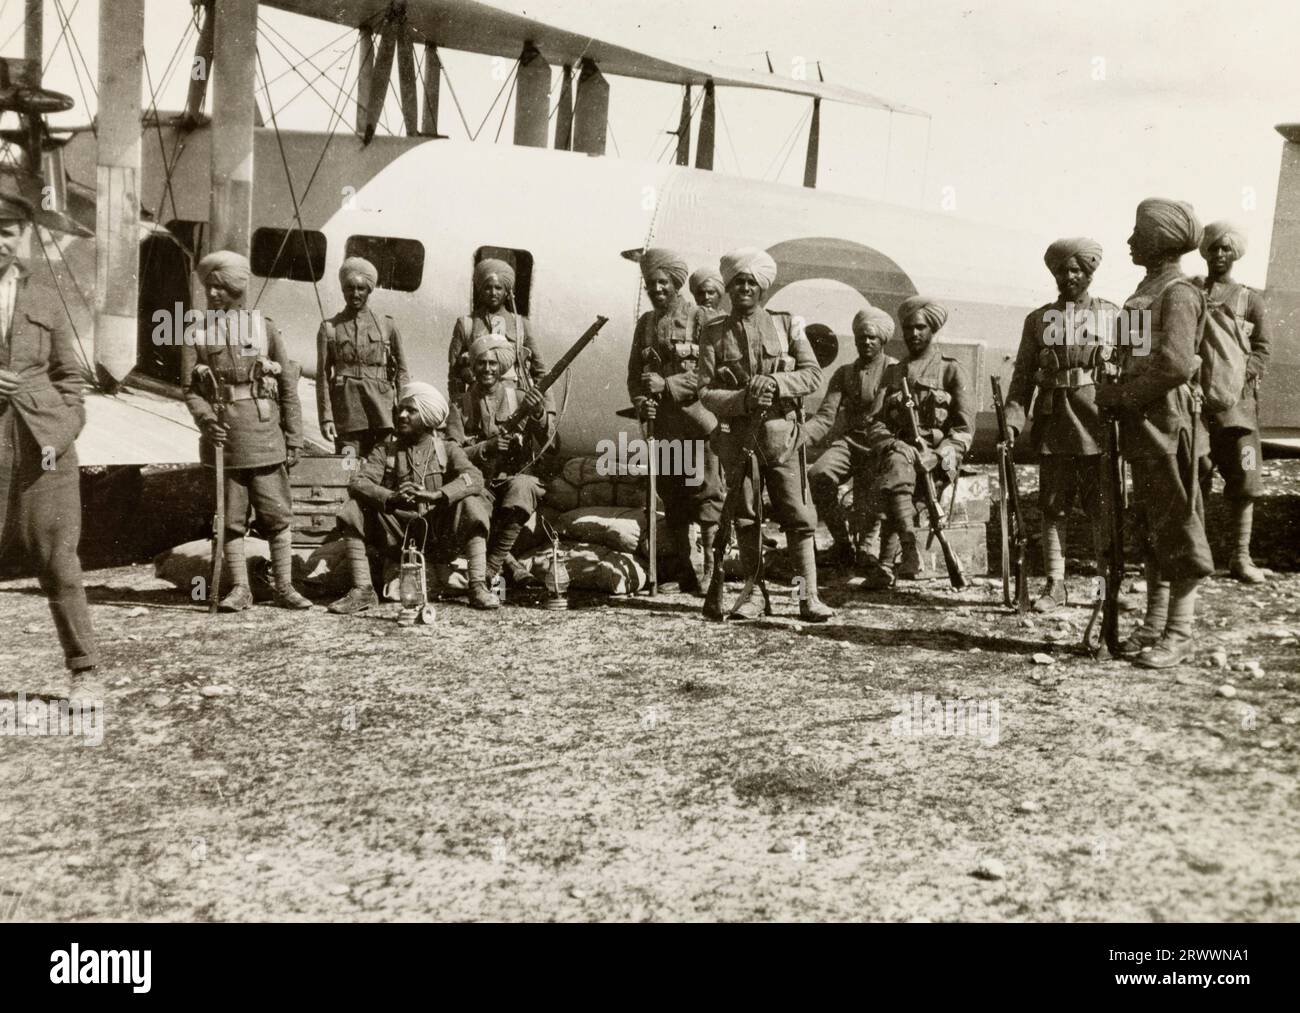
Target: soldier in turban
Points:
(359, 366)
(663, 384)
(505, 458)
(946, 413)
(242, 389)
(1235, 448)
(755, 368)
(1160, 434)
(707, 289)
(1063, 345)
(846, 410)
(494, 313)
(416, 484)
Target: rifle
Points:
(519, 420)
(210, 382)
(955, 575)
(1012, 520)
(649, 362)
(1114, 497)
(717, 582)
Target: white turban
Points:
(226, 268)
(1217, 231)
(429, 402)
(361, 267)
(749, 260)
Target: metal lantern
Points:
(413, 584)
(555, 583)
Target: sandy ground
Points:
(630, 761)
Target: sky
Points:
(1053, 119)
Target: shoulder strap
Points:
(1243, 302)
(440, 450)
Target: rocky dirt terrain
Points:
(627, 760)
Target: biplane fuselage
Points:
(570, 216)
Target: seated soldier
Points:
(846, 412)
(494, 313)
(416, 473)
(945, 414)
(475, 424)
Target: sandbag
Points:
(561, 494)
(620, 528)
(595, 568)
(597, 494)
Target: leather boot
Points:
(911, 567)
(1054, 595)
(240, 596)
(286, 595)
(802, 555)
(1242, 567)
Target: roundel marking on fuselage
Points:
(870, 273)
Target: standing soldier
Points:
(41, 412)
(239, 363)
(663, 384)
(1234, 433)
(1062, 346)
(846, 411)
(1157, 401)
(494, 313)
(754, 367)
(504, 458)
(359, 366)
(416, 474)
(946, 416)
(707, 290)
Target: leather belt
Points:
(362, 372)
(239, 392)
(1068, 379)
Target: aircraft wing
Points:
(480, 28)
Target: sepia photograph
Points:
(487, 462)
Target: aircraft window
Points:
(521, 261)
(281, 253)
(190, 234)
(400, 262)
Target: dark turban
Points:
(15, 209)
(226, 268)
(430, 405)
(1086, 251)
(360, 267)
(875, 321)
(754, 262)
(1218, 231)
(657, 258)
(935, 315)
(701, 277)
(495, 345)
(1172, 224)
(484, 269)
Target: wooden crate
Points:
(320, 488)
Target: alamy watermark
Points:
(1098, 325)
(927, 715)
(82, 719)
(633, 456)
(237, 327)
